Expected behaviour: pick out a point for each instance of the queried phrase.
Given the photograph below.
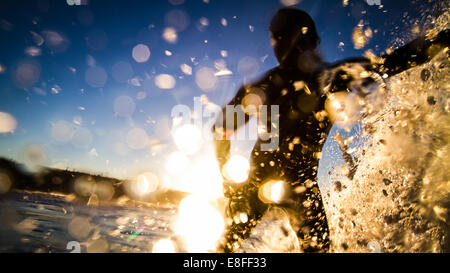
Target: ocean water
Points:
(51, 223)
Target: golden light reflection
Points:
(236, 169)
(276, 192)
(335, 106)
(272, 192)
(163, 246)
(343, 108)
(97, 246)
(203, 178)
(104, 190)
(361, 36)
(84, 186)
(200, 223)
(251, 103)
(170, 35)
(80, 227)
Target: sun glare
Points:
(199, 223)
(163, 246)
(236, 169)
(188, 138)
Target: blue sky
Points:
(96, 41)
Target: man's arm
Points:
(226, 125)
(421, 50)
(417, 52)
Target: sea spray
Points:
(399, 198)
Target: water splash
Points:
(400, 194)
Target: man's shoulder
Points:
(267, 79)
(348, 61)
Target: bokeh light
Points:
(248, 66)
(188, 138)
(236, 169)
(202, 178)
(289, 3)
(177, 19)
(142, 185)
(80, 227)
(7, 123)
(272, 191)
(165, 81)
(170, 35)
(82, 138)
(164, 246)
(199, 223)
(97, 246)
(186, 69)
(124, 106)
(33, 51)
(96, 76)
(37, 39)
(104, 190)
(56, 79)
(206, 79)
(84, 186)
(253, 100)
(141, 53)
(61, 131)
(27, 74)
(361, 36)
(5, 182)
(35, 155)
(343, 108)
(137, 139)
(56, 41)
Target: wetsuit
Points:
(302, 134)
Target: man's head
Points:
(293, 32)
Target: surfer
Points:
(299, 85)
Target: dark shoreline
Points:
(50, 180)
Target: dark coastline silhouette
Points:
(51, 180)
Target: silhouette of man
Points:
(295, 85)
